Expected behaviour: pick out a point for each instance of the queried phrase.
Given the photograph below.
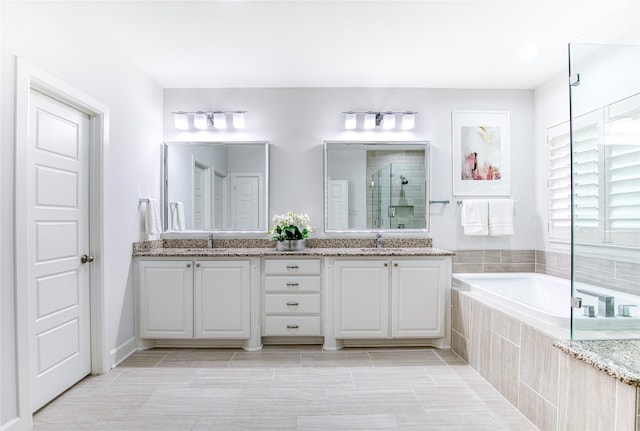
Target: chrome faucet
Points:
(606, 304)
(210, 241)
(378, 240)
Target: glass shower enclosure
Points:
(605, 186)
(397, 196)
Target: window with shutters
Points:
(606, 176)
(559, 183)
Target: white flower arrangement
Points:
(290, 226)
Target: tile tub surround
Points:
(522, 363)
(557, 264)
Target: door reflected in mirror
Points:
(216, 186)
(373, 186)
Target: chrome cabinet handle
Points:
(86, 259)
(290, 284)
(292, 326)
(292, 304)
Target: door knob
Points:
(86, 259)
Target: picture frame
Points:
(480, 153)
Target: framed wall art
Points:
(480, 152)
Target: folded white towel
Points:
(474, 217)
(153, 225)
(177, 216)
(500, 217)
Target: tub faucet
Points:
(378, 240)
(606, 304)
(210, 241)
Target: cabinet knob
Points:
(86, 259)
(197, 265)
(188, 265)
(292, 326)
(386, 264)
(395, 264)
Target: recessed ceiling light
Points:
(528, 52)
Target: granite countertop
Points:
(260, 247)
(618, 358)
(315, 251)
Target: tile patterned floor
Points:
(284, 388)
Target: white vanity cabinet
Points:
(208, 299)
(165, 299)
(292, 302)
(389, 298)
(222, 299)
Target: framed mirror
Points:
(376, 186)
(216, 186)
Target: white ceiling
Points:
(264, 43)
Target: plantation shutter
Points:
(588, 221)
(559, 183)
(622, 172)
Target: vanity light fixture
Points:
(386, 119)
(370, 120)
(408, 120)
(238, 120)
(181, 120)
(389, 121)
(203, 120)
(350, 120)
(219, 120)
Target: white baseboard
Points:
(123, 351)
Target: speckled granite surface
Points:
(618, 358)
(264, 247)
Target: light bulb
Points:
(370, 120)
(219, 120)
(201, 120)
(238, 120)
(389, 121)
(350, 120)
(181, 120)
(408, 121)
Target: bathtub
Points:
(543, 300)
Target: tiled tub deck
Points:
(557, 385)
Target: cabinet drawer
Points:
(292, 325)
(291, 304)
(292, 284)
(292, 266)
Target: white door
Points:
(246, 202)
(199, 196)
(338, 204)
(58, 235)
(218, 201)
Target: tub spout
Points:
(606, 304)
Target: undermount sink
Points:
(382, 249)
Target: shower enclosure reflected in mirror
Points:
(374, 186)
(216, 186)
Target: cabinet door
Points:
(362, 299)
(417, 298)
(222, 299)
(165, 299)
